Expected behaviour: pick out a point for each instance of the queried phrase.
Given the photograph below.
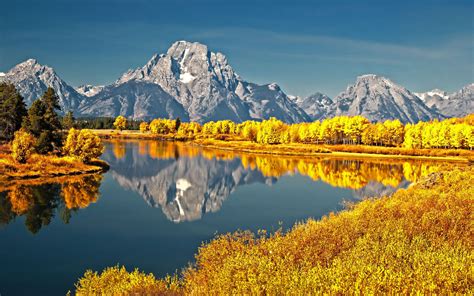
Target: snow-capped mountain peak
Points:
(207, 86)
(32, 79)
(426, 96)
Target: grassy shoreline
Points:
(47, 166)
(419, 240)
(297, 149)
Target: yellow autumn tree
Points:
(270, 131)
(83, 144)
(120, 123)
(248, 130)
(22, 145)
(144, 127)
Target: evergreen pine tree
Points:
(12, 111)
(43, 122)
(68, 120)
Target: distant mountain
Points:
(137, 99)
(32, 79)
(316, 105)
(378, 98)
(458, 104)
(209, 89)
(194, 83)
(89, 90)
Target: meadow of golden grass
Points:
(46, 166)
(419, 240)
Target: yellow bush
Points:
(120, 122)
(144, 127)
(117, 281)
(22, 146)
(83, 144)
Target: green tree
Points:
(43, 122)
(68, 120)
(12, 111)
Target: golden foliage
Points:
(78, 193)
(45, 166)
(144, 127)
(119, 149)
(20, 199)
(83, 144)
(22, 145)
(163, 126)
(451, 133)
(120, 122)
(117, 281)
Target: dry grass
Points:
(418, 241)
(46, 166)
(401, 151)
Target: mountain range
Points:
(191, 82)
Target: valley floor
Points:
(417, 241)
(298, 149)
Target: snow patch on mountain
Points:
(427, 96)
(89, 90)
(317, 105)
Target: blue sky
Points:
(305, 46)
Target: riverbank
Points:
(298, 149)
(416, 241)
(47, 166)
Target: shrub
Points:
(120, 122)
(144, 127)
(83, 144)
(117, 281)
(22, 146)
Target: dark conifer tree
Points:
(68, 121)
(44, 123)
(12, 111)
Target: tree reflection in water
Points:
(40, 202)
(157, 169)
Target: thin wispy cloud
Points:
(448, 49)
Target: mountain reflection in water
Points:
(187, 181)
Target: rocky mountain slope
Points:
(136, 99)
(378, 98)
(457, 104)
(209, 89)
(191, 82)
(32, 79)
(316, 105)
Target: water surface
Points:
(159, 201)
